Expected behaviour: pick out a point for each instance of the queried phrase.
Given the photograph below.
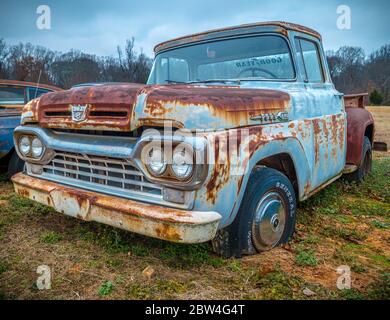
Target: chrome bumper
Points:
(151, 220)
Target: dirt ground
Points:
(343, 225)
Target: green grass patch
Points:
(140, 250)
(379, 224)
(380, 259)
(154, 290)
(235, 266)
(376, 185)
(367, 207)
(351, 294)
(109, 238)
(181, 255)
(306, 257)
(380, 289)
(114, 263)
(278, 285)
(345, 233)
(50, 237)
(3, 266)
(106, 288)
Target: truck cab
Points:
(234, 127)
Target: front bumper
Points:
(151, 220)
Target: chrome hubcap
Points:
(269, 221)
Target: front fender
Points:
(290, 146)
(225, 191)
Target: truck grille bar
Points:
(102, 174)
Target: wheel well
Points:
(283, 163)
(369, 133)
(5, 159)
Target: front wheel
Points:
(266, 218)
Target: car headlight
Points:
(182, 162)
(156, 161)
(36, 147)
(24, 145)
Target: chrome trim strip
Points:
(110, 146)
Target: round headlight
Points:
(155, 161)
(36, 147)
(24, 145)
(182, 162)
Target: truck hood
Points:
(128, 106)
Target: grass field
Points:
(382, 123)
(342, 225)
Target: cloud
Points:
(99, 26)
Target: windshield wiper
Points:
(206, 81)
(216, 80)
(174, 81)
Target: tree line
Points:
(27, 62)
(351, 69)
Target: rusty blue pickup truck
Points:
(13, 96)
(233, 128)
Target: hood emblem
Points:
(79, 112)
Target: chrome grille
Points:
(103, 174)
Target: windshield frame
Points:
(252, 35)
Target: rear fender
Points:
(358, 119)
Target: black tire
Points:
(269, 195)
(15, 165)
(365, 166)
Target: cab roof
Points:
(272, 26)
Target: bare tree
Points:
(75, 67)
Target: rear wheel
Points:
(266, 218)
(365, 166)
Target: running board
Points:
(322, 186)
(349, 168)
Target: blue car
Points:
(13, 96)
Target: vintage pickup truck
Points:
(234, 127)
(13, 96)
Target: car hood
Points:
(128, 106)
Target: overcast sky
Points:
(99, 26)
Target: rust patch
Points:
(23, 192)
(317, 139)
(307, 187)
(109, 107)
(221, 170)
(167, 232)
(234, 105)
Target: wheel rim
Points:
(269, 221)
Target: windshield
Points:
(251, 58)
